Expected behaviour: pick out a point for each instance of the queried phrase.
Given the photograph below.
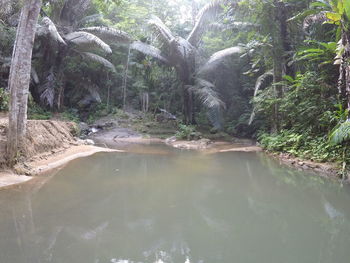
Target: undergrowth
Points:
(303, 145)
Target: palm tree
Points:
(61, 37)
(181, 54)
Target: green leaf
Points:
(340, 134)
(288, 78)
(346, 4)
(320, 4)
(334, 17)
(340, 7)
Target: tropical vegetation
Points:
(273, 70)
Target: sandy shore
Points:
(42, 165)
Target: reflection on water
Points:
(176, 207)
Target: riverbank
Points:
(49, 145)
(115, 136)
(52, 144)
(26, 171)
(329, 170)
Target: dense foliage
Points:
(274, 70)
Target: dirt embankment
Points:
(42, 137)
(48, 145)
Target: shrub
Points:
(185, 132)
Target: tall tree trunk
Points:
(125, 79)
(19, 78)
(344, 70)
(281, 47)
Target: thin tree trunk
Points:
(344, 71)
(108, 92)
(280, 44)
(125, 80)
(19, 78)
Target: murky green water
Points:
(176, 207)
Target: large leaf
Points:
(204, 90)
(109, 34)
(219, 57)
(206, 93)
(206, 14)
(341, 134)
(263, 81)
(100, 60)
(87, 40)
(149, 51)
(334, 17)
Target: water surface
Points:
(174, 207)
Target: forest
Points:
(271, 70)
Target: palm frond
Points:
(85, 39)
(219, 56)
(149, 51)
(204, 90)
(341, 134)
(100, 60)
(163, 32)
(205, 15)
(262, 81)
(47, 96)
(52, 30)
(109, 34)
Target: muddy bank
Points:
(48, 145)
(42, 137)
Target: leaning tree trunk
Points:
(19, 78)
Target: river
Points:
(176, 206)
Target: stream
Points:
(173, 206)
